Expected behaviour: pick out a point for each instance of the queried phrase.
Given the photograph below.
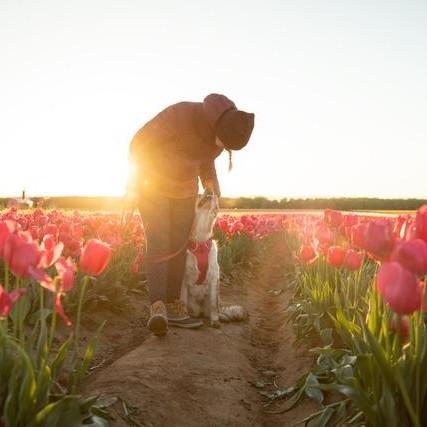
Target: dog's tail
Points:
(233, 313)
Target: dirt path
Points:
(203, 377)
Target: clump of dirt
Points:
(207, 376)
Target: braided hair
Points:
(230, 159)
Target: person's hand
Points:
(211, 187)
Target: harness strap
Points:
(201, 251)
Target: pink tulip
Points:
(379, 238)
(65, 269)
(95, 257)
(357, 235)
(51, 229)
(421, 223)
(7, 300)
(21, 253)
(400, 226)
(51, 251)
(335, 256)
(60, 310)
(307, 254)
(6, 229)
(350, 220)
(399, 288)
(333, 218)
(324, 235)
(72, 248)
(412, 255)
(353, 260)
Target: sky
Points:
(338, 89)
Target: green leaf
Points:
(60, 357)
(65, 412)
(96, 421)
(326, 335)
(90, 352)
(325, 417)
(311, 389)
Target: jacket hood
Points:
(215, 105)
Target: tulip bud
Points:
(421, 223)
(412, 255)
(399, 288)
(379, 238)
(307, 254)
(335, 256)
(95, 257)
(353, 260)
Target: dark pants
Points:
(167, 224)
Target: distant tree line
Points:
(341, 203)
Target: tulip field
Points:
(358, 301)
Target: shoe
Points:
(158, 321)
(178, 316)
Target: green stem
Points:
(79, 312)
(17, 315)
(6, 277)
(419, 325)
(6, 288)
(52, 329)
(412, 414)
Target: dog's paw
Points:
(224, 318)
(215, 324)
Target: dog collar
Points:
(201, 251)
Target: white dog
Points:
(201, 287)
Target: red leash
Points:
(162, 258)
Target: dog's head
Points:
(207, 207)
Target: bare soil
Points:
(204, 377)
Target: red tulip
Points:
(237, 227)
(412, 255)
(95, 257)
(51, 229)
(307, 254)
(51, 251)
(72, 248)
(353, 260)
(350, 220)
(7, 300)
(324, 235)
(333, 218)
(399, 288)
(35, 232)
(378, 238)
(6, 229)
(60, 309)
(357, 235)
(335, 256)
(400, 226)
(21, 253)
(421, 222)
(65, 269)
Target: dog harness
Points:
(201, 251)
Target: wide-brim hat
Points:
(234, 128)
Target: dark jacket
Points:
(177, 146)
